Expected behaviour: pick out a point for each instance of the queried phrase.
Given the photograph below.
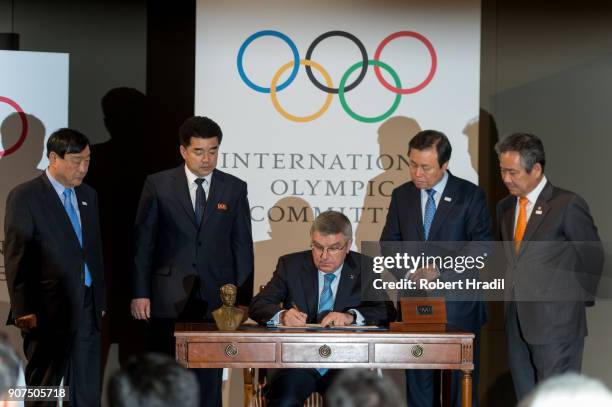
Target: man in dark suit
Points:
(322, 285)
(554, 264)
(193, 235)
(54, 270)
(437, 206)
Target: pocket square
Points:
(222, 206)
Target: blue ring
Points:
(277, 34)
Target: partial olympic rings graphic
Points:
(24, 127)
(342, 88)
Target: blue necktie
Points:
(76, 226)
(200, 200)
(430, 211)
(326, 303)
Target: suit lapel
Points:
(444, 205)
(348, 279)
(181, 192)
(310, 283)
(58, 212)
(84, 213)
(507, 227)
(217, 185)
(538, 213)
(414, 206)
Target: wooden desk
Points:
(202, 346)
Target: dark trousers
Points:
(531, 363)
(75, 358)
(161, 339)
(423, 386)
(291, 387)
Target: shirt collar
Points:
(439, 187)
(336, 273)
(191, 177)
(532, 197)
(59, 188)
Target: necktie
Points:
(326, 303)
(200, 200)
(430, 211)
(521, 224)
(76, 226)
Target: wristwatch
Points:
(354, 314)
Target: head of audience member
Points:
(362, 388)
(521, 162)
(228, 294)
(9, 372)
(569, 389)
(69, 154)
(200, 138)
(429, 152)
(153, 380)
(331, 237)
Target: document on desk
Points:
(319, 327)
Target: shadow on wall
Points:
(117, 172)
(471, 133)
(15, 169)
(393, 138)
(290, 220)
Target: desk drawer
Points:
(231, 352)
(325, 352)
(417, 353)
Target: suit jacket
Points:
(463, 217)
(554, 273)
(43, 258)
(174, 256)
(296, 280)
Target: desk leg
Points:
(249, 388)
(466, 389)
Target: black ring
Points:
(364, 55)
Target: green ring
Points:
(345, 105)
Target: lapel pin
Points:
(538, 211)
(222, 206)
(83, 203)
(350, 276)
(448, 198)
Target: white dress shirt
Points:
(191, 178)
(532, 197)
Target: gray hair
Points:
(569, 389)
(331, 223)
(529, 147)
(9, 367)
(362, 388)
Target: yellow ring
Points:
(282, 111)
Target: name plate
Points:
(421, 314)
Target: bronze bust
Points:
(228, 317)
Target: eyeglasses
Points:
(332, 251)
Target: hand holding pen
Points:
(293, 316)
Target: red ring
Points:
(24, 127)
(432, 53)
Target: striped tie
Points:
(74, 220)
(521, 224)
(430, 211)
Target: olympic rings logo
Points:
(343, 87)
(24, 126)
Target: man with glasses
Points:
(321, 285)
(437, 206)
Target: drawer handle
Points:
(231, 350)
(325, 351)
(417, 351)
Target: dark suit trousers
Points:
(423, 386)
(291, 387)
(75, 358)
(530, 364)
(161, 339)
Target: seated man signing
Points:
(318, 286)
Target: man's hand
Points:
(141, 308)
(26, 322)
(429, 274)
(337, 319)
(293, 317)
